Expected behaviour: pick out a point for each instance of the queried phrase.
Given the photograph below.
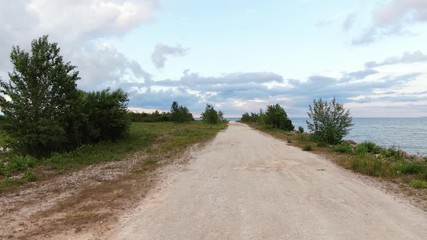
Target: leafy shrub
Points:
(343, 147)
(322, 144)
(300, 129)
(20, 163)
(307, 147)
(418, 184)
(370, 147)
(361, 149)
(391, 153)
(276, 117)
(105, 116)
(329, 120)
(411, 168)
(211, 116)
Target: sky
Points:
(371, 55)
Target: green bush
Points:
(322, 144)
(104, 116)
(406, 168)
(276, 117)
(343, 147)
(329, 120)
(391, 153)
(361, 149)
(20, 163)
(370, 147)
(300, 129)
(211, 116)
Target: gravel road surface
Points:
(248, 185)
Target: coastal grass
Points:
(153, 138)
(365, 158)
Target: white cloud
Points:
(82, 30)
(407, 57)
(162, 50)
(393, 18)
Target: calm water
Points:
(408, 134)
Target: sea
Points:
(407, 134)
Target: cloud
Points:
(161, 51)
(392, 18)
(236, 93)
(82, 30)
(104, 66)
(358, 74)
(407, 57)
(398, 11)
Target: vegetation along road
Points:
(248, 185)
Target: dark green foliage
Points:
(211, 116)
(150, 117)
(391, 153)
(180, 114)
(411, 168)
(361, 149)
(43, 110)
(370, 147)
(19, 163)
(249, 118)
(2, 168)
(300, 129)
(322, 144)
(104, 115)
(329, 120)
(40, 96)
(276, 117)
(343, 147)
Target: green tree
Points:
(103, 115)
(245, 117)
(211, 116)
(276, 117)
(330, 121)
(37, 102)
(180, 114)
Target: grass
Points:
(307, 147)
(153, 138)
(418, 184)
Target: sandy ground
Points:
(247, 185)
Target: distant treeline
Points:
(150, 117)
(177, 114)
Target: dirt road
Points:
(247, 185)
